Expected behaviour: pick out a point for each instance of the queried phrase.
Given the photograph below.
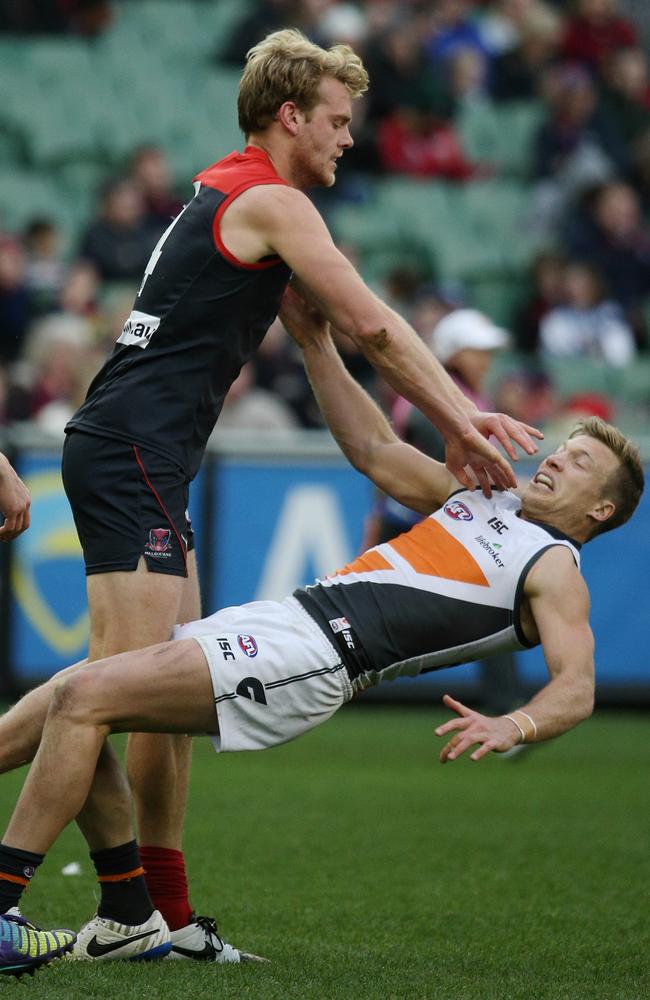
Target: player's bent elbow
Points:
(584, 702)
(370, 333)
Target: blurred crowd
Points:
(587, 294)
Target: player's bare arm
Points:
(356, 422)
(14, 502)
(557, 600)
(280, 220)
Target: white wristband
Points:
(522, 735)
(532, 722)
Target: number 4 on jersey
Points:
(157, 250)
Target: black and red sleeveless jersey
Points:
(199, 315)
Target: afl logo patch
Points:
(247, 645)
(458, 510)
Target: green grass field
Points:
(364, 869)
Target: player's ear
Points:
(602, 511)
(290, 116)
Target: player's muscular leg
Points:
(129, 611)
(22, 725)
(165, 687)
(159, 764)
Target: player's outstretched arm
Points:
(358, 425)
(559, 603)
(294, 229)
(14, 502)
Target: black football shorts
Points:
(128, 503)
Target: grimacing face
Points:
(568, 489)
(324, 135)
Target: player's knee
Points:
(75, 697)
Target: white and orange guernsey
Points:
(446, 592)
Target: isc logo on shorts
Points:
(247, 645)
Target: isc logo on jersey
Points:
(138, 329)
(458, 510)
(247, 645)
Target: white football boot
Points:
(102, 938)
(199, 940)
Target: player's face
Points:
(324, 135)
(570, 484)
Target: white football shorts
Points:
(274, 673)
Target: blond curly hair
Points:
(286, 66)
(625, 485)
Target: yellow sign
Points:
(51, 536)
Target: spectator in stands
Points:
(547, 279)
(149, 168)
(266, 16)
(249, 407)
(625, 96)
(464, 341)
(574, 134)
(45, 269)
(60, 363)
(119, 242)
(81, 289)
(279, 371)
(516, 72)
(419, 143)
(400, 72)
(452, 27)
(594, 30)
(466, 74)
(83, 17)
(344, 23)
(616, 241)
(641, 171)
(14, 298)
(588, 324)
(528, 395)
(574, 149)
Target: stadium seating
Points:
(500, 135)
(74, 110)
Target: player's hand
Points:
(506, 430)
(472, 459)
(303, 321)
(492, 734)
(14, 502)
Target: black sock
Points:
(16, 870)
(125, 896)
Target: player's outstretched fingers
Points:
(453, 725)
(448, 750)
(460, 746)
(523, 434)
(484, 482)
(456, 706)
(483, 750)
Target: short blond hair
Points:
(625, 485)
(286, 66)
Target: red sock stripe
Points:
(17, 879)
(122, 877)
(160, 503)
